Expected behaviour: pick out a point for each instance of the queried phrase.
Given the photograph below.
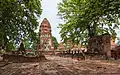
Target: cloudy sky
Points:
(50, 12)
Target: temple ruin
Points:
(46, 43)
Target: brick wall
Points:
(100, 44)
(21, 58)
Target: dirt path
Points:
(63, 66)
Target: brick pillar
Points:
(107, 45)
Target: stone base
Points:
(22, 59)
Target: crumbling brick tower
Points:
(46, 42)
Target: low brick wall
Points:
(21, 58)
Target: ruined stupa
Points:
(46, 43)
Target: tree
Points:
(18, 19)
(11, 45)
(31, 44)
(55, 43)
(88, 18)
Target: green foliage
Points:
(118, 43)
(11, 45)
(55, 43)
(18, 19)
(30, 43)
(27, 43)
(87, 18)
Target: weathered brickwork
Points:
(21, 58)
(46, 42)
(100, 44)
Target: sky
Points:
(50, 12)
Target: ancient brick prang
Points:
(46, 42)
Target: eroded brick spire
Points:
(46, 42)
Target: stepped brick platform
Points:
(22, 59)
